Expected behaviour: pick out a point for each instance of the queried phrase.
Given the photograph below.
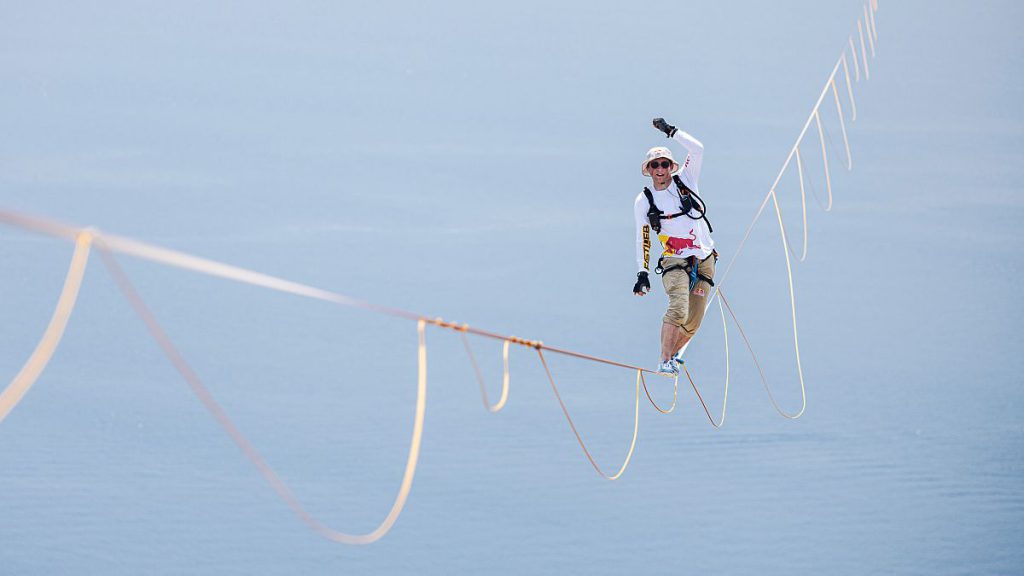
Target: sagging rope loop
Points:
(675, 393)
(480, 377)
(579, 439)
(248, 449)
(48, 342)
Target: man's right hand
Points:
(643, 285)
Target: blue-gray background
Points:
(479, 162)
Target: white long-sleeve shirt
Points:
(680, 237)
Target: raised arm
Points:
(690, 171)
(694, 157)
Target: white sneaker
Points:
(678, 362)
(668, 367)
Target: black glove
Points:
(642, 283)
(665, 127)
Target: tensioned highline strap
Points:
(847, 53)
(108, 245)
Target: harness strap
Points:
(653, 214)
(691, 267)
(689, 200)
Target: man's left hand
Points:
(665, 127)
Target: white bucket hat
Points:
(655, 153)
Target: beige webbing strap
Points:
(568, 418)
(250, 452)
(480, 377)
(675, 394)
(40, 357)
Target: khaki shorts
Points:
(686, 308)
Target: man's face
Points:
(660, 170)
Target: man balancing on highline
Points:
(671, 209)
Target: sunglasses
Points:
(655, 164)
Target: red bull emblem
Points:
(677, 245)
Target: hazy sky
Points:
(137, 112)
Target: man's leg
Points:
(670, 334)
(677, 287)
(681, 339)
(698, 301)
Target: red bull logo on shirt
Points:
(675, 246)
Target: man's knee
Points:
(689, 329)
(675, 319)
(692, 323)
(678, 309)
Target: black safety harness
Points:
(691, 267)
(689, 201)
